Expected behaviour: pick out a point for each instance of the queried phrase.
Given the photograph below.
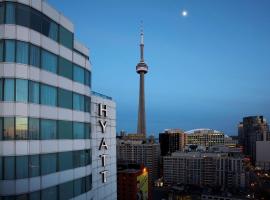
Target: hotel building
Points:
(47, 148)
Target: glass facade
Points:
(34, 92)
(8, 128)
(21, 128)
(65, 129)
(64, 98)
(9, 89)
(21, 90)
(33, 129)
(48, 129)
(48, 95)
(27, 53)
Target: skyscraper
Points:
(48, 148)
(141, 69)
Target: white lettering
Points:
(103, 144)
(103, 125)
(103, 110)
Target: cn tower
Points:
(141, 69)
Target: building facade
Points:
(47, 148)
(203, 169)
(262, 155)
(252, 129)
(147, 154)
(172, 140)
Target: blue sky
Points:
(206, 70)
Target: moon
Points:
(184, 13)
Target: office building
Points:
(252, 129)
(172, 140)
(147, 154)
(47, 148)
(204, 169)
(262, 155)
(207, 137)
(132, 182)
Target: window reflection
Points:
(21, 128)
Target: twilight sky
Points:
(206, 70)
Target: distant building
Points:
(172, 140)
(142, 153)
(263, 155)
(133, 182)
(204, 169)
(252, 129)
(207, 137)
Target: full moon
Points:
(184, 13)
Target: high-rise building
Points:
(263, 158)
(252, 129)
(206, 137)
(172, 140)
(147, 154)
(204, 169)
(132, 182)
(47, 148)
(141, 69)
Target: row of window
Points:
(23, 128)
(21, 90)
(63, 191)
(19, 167)
(26, 53)
(16, 13)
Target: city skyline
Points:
(215, 60)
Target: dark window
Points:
(65, 129)
(48, 95)
(79, 158)
(33, 129)
(64, 98)
(21, 128)
(34, 195)
(34, 166)
(87, 78)
(9, 90)
(78, 74)
(21, 90)
(66, 190)
(34, 56)
(66, 37)
(65, 68)
(2, 9)
(22, 52)
(49, 193)
(1, 89)
(1, 135)
(10, 13)
(9, 127)
(49, 28)
(78, 102)
(9, 51)
(87, 102)
(9, 167)
(65, 161)
(48, 61)
(78, 130)
(48, 163)
(87, 131)
(88, 182)
(79, 186)
(33, 92)
(21, 167)
(48, 129)
(23, 15)
(87, 157)
(36, 21)
(1, 50)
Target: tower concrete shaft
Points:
(141, 69)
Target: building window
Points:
(10, 13)
(36, 21)
(88, 182)
(34, 195)
(65, 129)
(66, 190)
(2, 9)
(48, 61)
(78, 102)
(87, 131)
(9, 128)
(66, 37)
(48, 95)
(65, 161)
(48, 129)
(23, 15)
(79, 186)
(64, 98)
(88, 78)
(65, 68)
(78, 74)
(9, 168)
(22, 51)
(1, 50)
(49, 28)
(34, 56)
(34, 166)
(49, 193)
(21, 128)
(33, 92)
(87, 104)
(33, 129)
(21, 167)
(78, 158)
(48, 163)
(21, 90)
(9, 51)
(9, 90)
(87, 157)
(1, 135)
(78, 130)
